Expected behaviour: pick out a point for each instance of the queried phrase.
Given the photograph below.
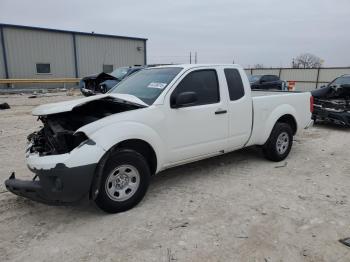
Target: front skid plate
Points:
(59, 185)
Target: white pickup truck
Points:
(107, 146)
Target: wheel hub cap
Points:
(282, 143)
(122, 182)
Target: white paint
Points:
(188, 134)
(66, 106)
(83, 155)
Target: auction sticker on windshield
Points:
(157, 85)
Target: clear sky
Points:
(268, 32)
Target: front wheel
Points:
(124, 181)
(279, 143)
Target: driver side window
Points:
(204, 83)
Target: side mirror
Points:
(262, 81)
(184, 99)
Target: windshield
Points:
(147, 84)
(343, 80)
(119, 73)
(254, 78)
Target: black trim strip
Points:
(75, 56)
(4, 50)
(145, 52)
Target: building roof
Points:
(71, 32)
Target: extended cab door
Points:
(240, 108)
(198, 129)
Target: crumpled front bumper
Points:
(59, 185)
(59, 179)
(339, 118)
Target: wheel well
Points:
(290, 120)
(144, 149)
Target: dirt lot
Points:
(237, 207)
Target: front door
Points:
(199, 129)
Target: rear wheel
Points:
(124, 181)
(279, 143)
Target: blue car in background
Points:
(103, 82)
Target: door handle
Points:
(220, 111)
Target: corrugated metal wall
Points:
(306, 79)
(26, 47)
(326, 75)
(93, 52)
(2, 66)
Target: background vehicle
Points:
(107, 146)
(265, 82)
(103, 82)
(332, 102)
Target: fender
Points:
(108, 136)
(270, 122)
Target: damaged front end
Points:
(91, 85)
(336, 111)
(62, 159)
(332, 103)
(54, 138)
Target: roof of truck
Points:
(189, 66)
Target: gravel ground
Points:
(236, 207)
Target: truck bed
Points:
(268, 104)
(257, 93)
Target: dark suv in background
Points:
(265, 82)
(103, 82)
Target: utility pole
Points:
(190, 58)
(195, 57)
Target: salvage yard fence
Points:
(305, 79)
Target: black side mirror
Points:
(184, 99)
(262, 81)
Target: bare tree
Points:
(307, 60)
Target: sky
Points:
(247, 32)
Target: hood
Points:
(66, 106)
(97, 76)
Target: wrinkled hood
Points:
(99, 75)
(66, 106)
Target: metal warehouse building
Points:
(33, 52)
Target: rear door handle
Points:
(220, 111)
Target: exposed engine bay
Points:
(57, 134)
(332, 103)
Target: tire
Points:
(124, 182)
(280, 142)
